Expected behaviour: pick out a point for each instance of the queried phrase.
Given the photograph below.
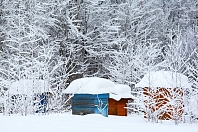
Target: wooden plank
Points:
(90, 96)
(82, 102)
(82, 111)
(104, 96)
(121, 111)
(83, 97)
(82, 107)
(112, 111)
(101, 101)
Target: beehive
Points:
(83, 104)
(118, 107)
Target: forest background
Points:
(122, 40)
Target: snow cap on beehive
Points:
(165, 79)
(90, 85)
(123, 91)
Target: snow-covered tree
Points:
(135, 47)
(31, 50)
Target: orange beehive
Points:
(118, 107)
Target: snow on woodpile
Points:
(165, 79)
(90, 85)
(123, 91)
(27, 87)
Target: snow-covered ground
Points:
(88, 123)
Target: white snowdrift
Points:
(95, 85)
(165, 79)
(88, 123)
(28, 87)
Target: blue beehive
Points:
(83, 104)
(40, 101)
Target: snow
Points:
(25, 86)
(90, 85)
(88, 123)
(165, 79)
(95, 85)
(123, 91)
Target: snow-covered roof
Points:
(95, 85)
(90, 85)
(26, 86)
(165, 79)
(123, 91)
